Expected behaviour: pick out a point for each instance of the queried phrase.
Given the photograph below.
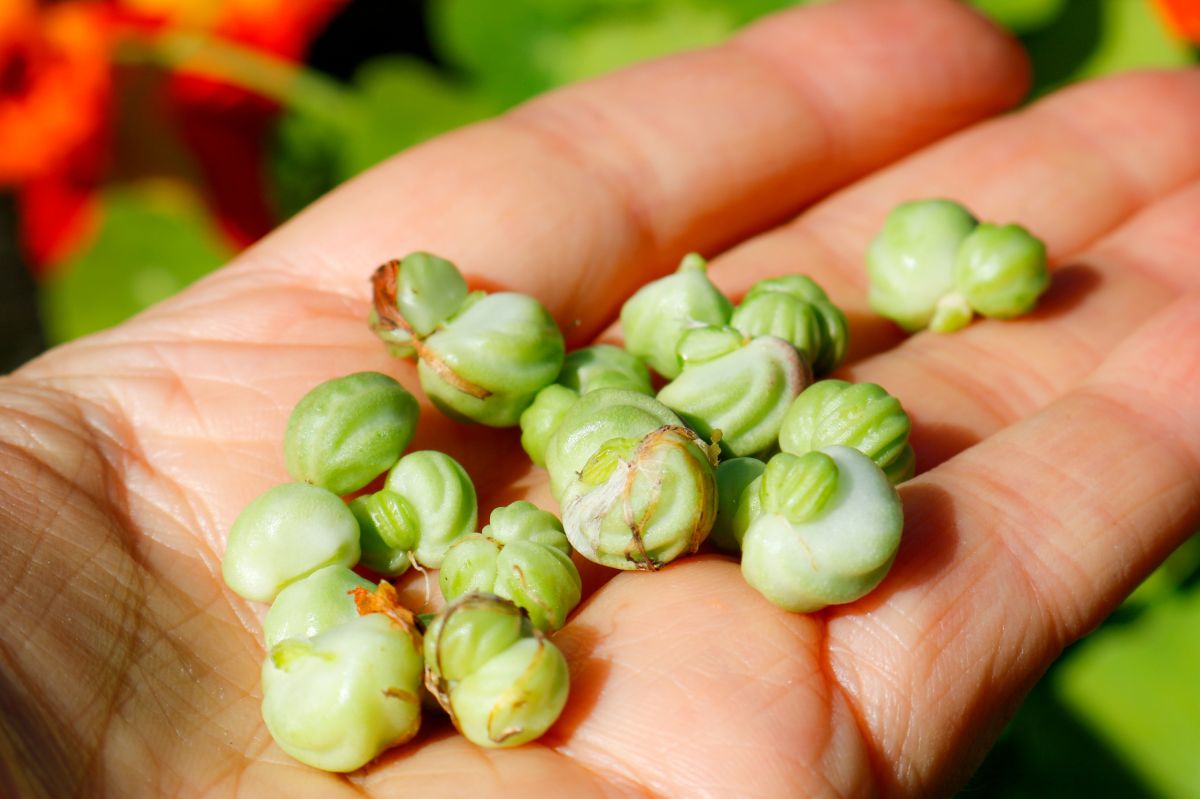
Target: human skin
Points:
(1057, 454)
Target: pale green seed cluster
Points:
(935, 266)
(733, 442)
(345, 664)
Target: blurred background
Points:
(144, 142)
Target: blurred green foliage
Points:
(1118, 715)
(152, 241)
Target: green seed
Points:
(388, 531)
(442, 500)
(430, 290)
(524, 521)
(911, 262)
(592, 421)
(501, 680)
(1001, 270)
(542, 418)
(859, 415)
(604, 366)
(285, 534)
(733, 476)
(339, 699)
(308, 607)
(488, 363)
(348, 431)
(655, 318)
(744, 395)
(703, 344)
(845, 540)
(523, 556)
(795, 309)
(642, 507)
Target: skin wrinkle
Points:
(949, 380)
(813, 105)
(548, 125)
(118, 642)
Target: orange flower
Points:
(1183, 16)
(282, 27)
(54, 84)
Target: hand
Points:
(1059, 452)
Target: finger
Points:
(578, 196)
(1020, 545)
(1069, 168)
(685, 682)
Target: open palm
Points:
(1058, 455)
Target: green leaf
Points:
(154, 239)
(620, 39)
(493, 42)
(1099, 37)
(1022, 16)
(403, 102)
(1136, 685)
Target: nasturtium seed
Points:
(314, 604)
(523, 555)
(911, 262)
(827, 531)
(339, 699)
(657, 316)
(348, 431)
(439, 493)
(388, 531)
(500, 679)
(604, 366)
(287, 533)
(1000, 270)
(733, 477)
(744, 395)
(860, 415)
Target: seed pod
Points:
(604, 366)
(595, 419)
(488, 362)
(440, 495)
(542, 418)
(828, 530)
(522, 556)
(388, 531)
(348, 431)
(1001, 270)
(428, 291)
(524, 521)
(911, 264)
(744, 395)
(655, 318)
(703, 344)
(502, 682)
(734, 476)
(639, 503)
(482, 357)
(337, 700)
(285, 534)
(308, 607)
(795, 309)
(859, 415)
